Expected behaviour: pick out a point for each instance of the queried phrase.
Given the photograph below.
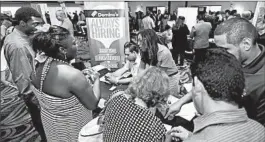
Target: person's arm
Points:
(169, 35)
(187, 30)
(125, 80)
(3, 32)
(193, 32)
(122, 70)
(20, 68)
(175, 108)
(153, 24)
(89, 96)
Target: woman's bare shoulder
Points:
(68, 72)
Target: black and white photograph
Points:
(132, 71)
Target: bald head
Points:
(246, 15)
(60, 15)
(236, 29)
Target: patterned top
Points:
(62, 118)
(227, 126)
(128, 122)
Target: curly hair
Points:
(25, 14)
(49, 42)
(152, 87)
(221, 75)
(150, 41)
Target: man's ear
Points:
(246, 43)
(22, 23)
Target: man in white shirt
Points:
(148, 22)
(6, 23)
(133, 59)
(66, 22)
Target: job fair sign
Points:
(107, 32)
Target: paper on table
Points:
(102, 79)
(112, 88)
(187, 111)
(98, 67)
(101, 103)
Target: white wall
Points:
(12, 6)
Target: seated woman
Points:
(133, 59)
(66, 98)
(154, 53)
(130, 117)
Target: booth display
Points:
(108, 30)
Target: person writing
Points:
(218, 85)
(133, 59)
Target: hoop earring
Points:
(65, 56)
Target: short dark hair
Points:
(233, 12)
(167, 27)
(25, 14)
(50, 42)
(221, 75)
(132, 47)
(201, 17)
(236, 29)
(182, 18)
(228, 11)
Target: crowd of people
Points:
(45, 98)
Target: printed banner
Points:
(108, 30)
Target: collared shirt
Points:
(227, 126)
(133, 67)
(148, 23)
(20, 59)
(68, 25)
(201, 37)
(255, 87)
(165, 60)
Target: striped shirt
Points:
(227, 126)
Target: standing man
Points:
(148, 22)
(201, 32)
(66, 22)
(159, 18)
(20, 59)
(174, 16)
(239, 37)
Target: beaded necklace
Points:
(46, 68)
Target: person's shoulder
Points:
(257, 130)
(70, 73)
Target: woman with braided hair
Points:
(154, 53)
(66, 98)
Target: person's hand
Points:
(179, 133)
(111, 79)
(173, 109)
